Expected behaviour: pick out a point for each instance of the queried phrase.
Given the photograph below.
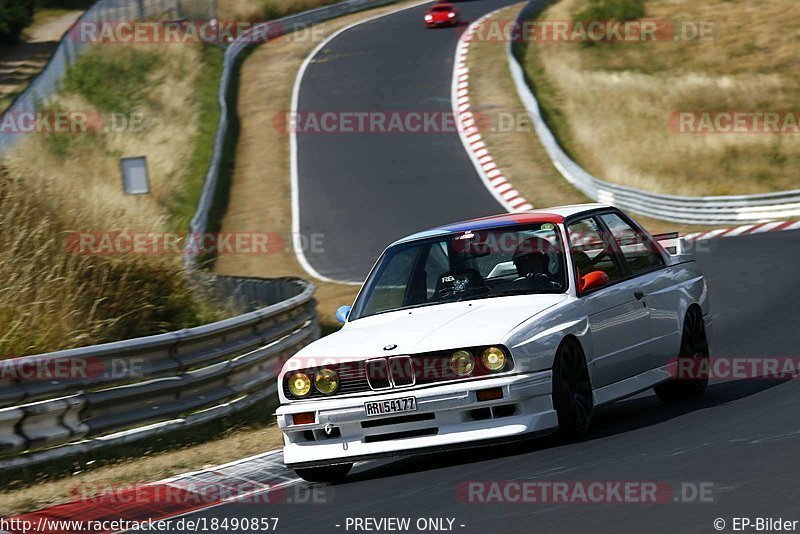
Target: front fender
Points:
(533, 344)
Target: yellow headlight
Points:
(462, 363)
(299, 384)
(493, 359)
(326, 380)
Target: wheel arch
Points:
(534, 348)
(572, 337)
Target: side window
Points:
(638, 252)
(589, 251)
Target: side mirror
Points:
(343, 313)
(593, 280)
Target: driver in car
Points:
(534, 260)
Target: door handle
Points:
(639, 295)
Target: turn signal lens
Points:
(462, 363)
(326, 381)
(305, 418)
(489, 394)
(299, 384)
(493, 358)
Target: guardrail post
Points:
(52, 422)
(10, 440)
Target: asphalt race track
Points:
(361, 191)
(743, 438)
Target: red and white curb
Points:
(235, 482)
(749, 229)
(487, 168)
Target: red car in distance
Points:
(442, 14)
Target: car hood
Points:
(430, 328)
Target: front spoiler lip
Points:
(425, 450)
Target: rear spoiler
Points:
(670, 241)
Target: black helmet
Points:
(533, 256)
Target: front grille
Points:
(402, 369)
(378, 374)
(384, 373)
(352, 378)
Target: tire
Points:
(328, 473)
(694, 345)
(572, 390)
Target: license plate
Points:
(406, 404)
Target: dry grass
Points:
(609, 103)
(88, 164)
(262, 10)
(143, 469)
(64, 183)
(51, 299)
(50, 24)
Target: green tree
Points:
(15, 16)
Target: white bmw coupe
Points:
(496, 329)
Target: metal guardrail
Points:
(258, 34)
(74, 401)
(682, 209)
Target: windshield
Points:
(465, 266)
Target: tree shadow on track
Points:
(618, 418)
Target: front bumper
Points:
(447, 416)
(438, 23)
